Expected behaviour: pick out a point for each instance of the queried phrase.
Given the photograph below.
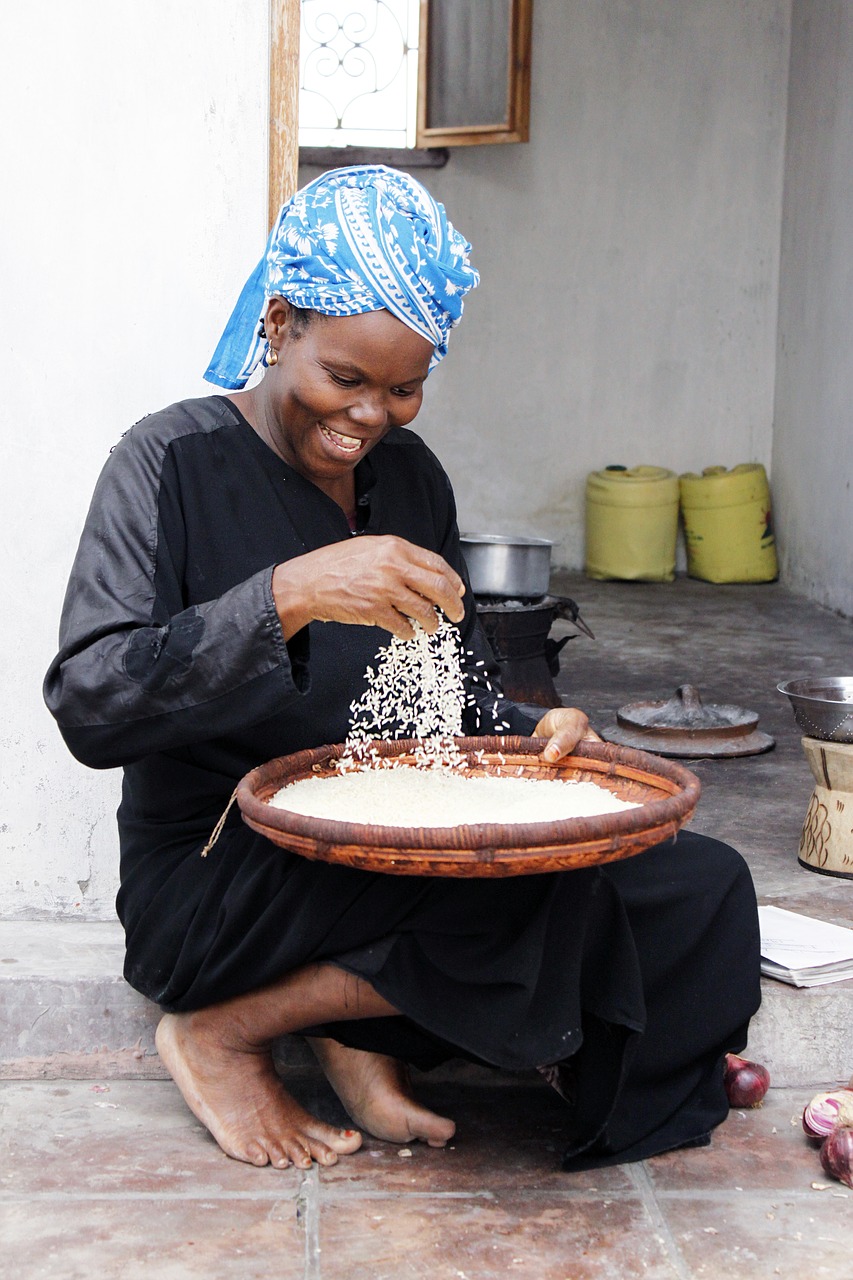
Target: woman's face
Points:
(338, 387)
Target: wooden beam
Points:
(284, 103)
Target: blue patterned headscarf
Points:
(355, 240)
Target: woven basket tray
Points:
(666, 792)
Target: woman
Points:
(221, 612)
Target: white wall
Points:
(629, 257)
(813, 436)
(133, 148)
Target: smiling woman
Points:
(334, 391)
(222, 613)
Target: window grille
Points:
(358, 73)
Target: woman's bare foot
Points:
(235, 1093)
(377, 1094)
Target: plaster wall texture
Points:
(629, 258)
(138, 144)
(630, 262)
(813, 433)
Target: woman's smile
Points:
(364, 372)
(347, 444)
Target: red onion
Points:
(746, 1082)
(826, 1110)
(836, 1155)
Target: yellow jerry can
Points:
(728, 524)
(631, 523)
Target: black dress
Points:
(631, 981)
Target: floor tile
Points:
(508, 1138)
(510, 1236)
(120, 1238)
(97, 1137)
(762, 1149)
(764, 1235)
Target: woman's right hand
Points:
(371, 581)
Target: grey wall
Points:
(629, 256)
(813, 435)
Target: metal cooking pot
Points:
(505, 565)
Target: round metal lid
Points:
(683, 726)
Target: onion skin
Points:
(836, 1155)
(745, 1082)
(826, 1110)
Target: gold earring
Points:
(271, 356)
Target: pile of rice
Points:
(417, 690)
(406, 796)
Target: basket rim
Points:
(681, 787)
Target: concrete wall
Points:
(813, 436)
(134, 145)
(629, 256)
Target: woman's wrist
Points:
(291, 597)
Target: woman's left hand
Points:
(564, 727)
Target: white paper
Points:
(803, 951)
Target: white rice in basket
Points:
(409, 797)
(417, 690)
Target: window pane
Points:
(358, 73)
(468, 67)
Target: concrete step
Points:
(67, 1013)
(65, 1010)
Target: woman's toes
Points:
(299, 1155)
(254, 1154)
(427, 1126)
(345, 1141)
(327, 1144)
(278, 1157)
(440, 1134)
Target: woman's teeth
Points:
(349, 444)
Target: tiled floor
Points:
(114, 1179)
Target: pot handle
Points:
(552, 653)
(567, 609)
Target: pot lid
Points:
(503, 540)
(684, 726)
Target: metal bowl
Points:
(507, 565)
(823, 706)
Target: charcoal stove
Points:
(517, 630)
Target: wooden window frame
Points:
(284, 155)
(515, 127)
(285, 18)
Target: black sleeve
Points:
(137, 671)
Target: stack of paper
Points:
(803, 951)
